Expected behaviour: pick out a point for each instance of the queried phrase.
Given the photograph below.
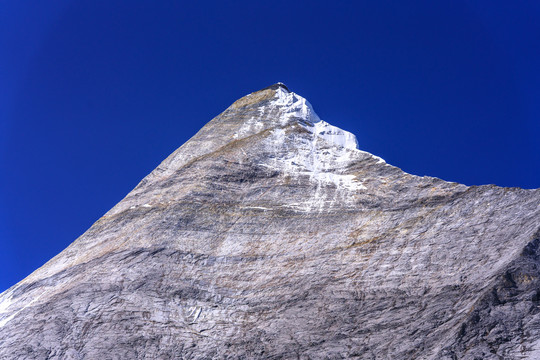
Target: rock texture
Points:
(270, 235)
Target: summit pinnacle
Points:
(271, 235)
(276, 86)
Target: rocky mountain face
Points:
(270, 235)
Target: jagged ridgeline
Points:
(270, 235)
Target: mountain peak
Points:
(276, 105)
(277, 86)
(273, 118)
(269, 234)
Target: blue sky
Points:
(94, 94)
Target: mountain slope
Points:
(270, 235)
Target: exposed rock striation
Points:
(270, 235)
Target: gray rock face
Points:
(270, 235)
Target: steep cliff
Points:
(269, 234)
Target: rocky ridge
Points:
(269, 234)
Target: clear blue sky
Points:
(94, 94)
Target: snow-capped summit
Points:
(269, 235)
(295, 106)
(276, 86)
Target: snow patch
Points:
(324, 156)
(335, 135)
(257, 207)
(6, 302)
(311, 156)
(249, 127)
(296, 106)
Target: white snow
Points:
(257, 207)
(324, 156)
(6, 302)
(295, 106)
(136, 206)
(323, 163)
(251, 126)
(335, 135)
